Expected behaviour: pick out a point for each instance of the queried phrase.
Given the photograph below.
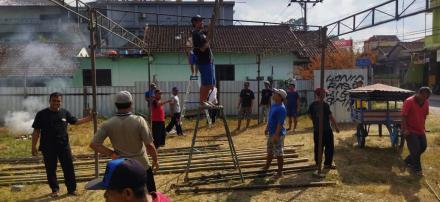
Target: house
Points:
(379, 42)
(36, 64)
(26, 20)
(235, 48)
(141, 12)
(432, 44)
(404, 63)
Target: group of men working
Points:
(130, 176)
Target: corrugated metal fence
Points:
(74, 99)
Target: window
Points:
(103, 77)
(225, 72)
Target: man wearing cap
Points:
(51, 123)
(414, 112)
(327, 136)
(124, 180)
(129, 135)
(174, 112)
(276, 131)
(293, 104)
(266, 94)
(203, 53)
(245, 104)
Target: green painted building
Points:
(236, 50)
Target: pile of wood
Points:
(208, 158)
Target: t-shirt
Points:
(157, 112)
(53, 128)
(159, 197)
(246, 95)
(277, 115)
(415, 115)
(314, 110)
(199, 40)
(128, 135)
(265, 96)
(175, 104)
(292, 99)
(149, 94)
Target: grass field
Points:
(374, 173)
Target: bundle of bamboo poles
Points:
(205, 159)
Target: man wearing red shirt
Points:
(414, 112)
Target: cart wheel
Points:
(361, 133)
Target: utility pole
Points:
(92, 30)
(323, 32)
(303, 4)
(258, 87)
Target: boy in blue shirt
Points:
(276, 131)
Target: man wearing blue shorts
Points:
(203, 55)
(293, 104)
(276, 131)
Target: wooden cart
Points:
(378, 104)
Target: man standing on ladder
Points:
(204, 63)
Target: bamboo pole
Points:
(254, 187)
(255, 174)
(220, 175)
(165, 159)
(159, 172)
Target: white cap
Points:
(123, 97)
(280, 92)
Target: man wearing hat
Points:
(175, 112)
(129, 135)
(276, 131)
(203, 53)
(245, 104)
(327, 137)
(124, 180)
(266, 94)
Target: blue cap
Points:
(120, 173)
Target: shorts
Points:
(275, 149)
(292, 111)
(207, 74)
(244, 113)
(192, 58)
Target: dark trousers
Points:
(212, 114)
(151, 185)
(175, 121)
(328, 146)
(416, 145)
(50, 162)
(159, 135)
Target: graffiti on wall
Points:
(338, 86)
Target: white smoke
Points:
(19, 123)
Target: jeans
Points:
(416, 145)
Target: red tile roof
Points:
(238, 39)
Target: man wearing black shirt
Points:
(51, 123)
(203, 55)
(266, 95)
(327, 138)
(245, 105)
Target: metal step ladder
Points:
(187, 101)
(229, 139)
